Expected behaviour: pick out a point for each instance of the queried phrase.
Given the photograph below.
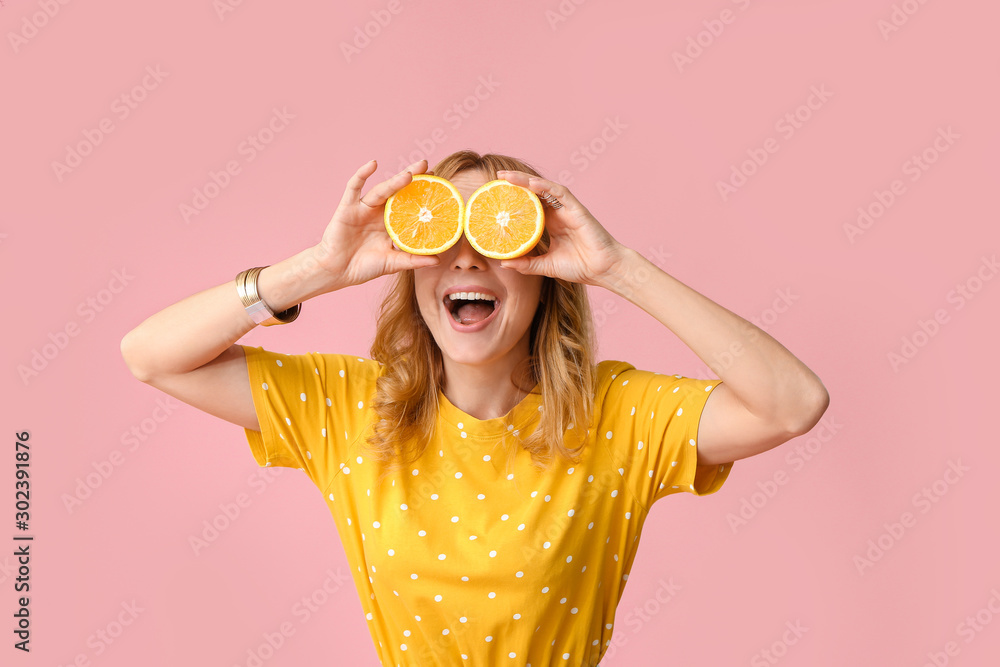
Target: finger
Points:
(355, 184)
(402, 260)
(378, 195)
(562, 194)
(515, 177)
(524, 265)
(539, 186)
(418, 167)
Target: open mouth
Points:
(469, 309)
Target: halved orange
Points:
(503, 220)
(425, 217)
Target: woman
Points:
(473, 468)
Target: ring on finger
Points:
(550, 199)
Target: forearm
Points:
(768, 379)
(197, 329)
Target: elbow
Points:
(810, 412)
(130, 356)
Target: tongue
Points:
(473, 311)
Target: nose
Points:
(463, 256)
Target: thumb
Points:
(410, 261)
(521, 264)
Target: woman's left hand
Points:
(580, 249)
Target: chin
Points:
(468, 351)
(469, 359)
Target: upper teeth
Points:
(471, 296)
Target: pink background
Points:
(653, 183)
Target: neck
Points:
(486, 391)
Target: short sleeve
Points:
(310, 408)
(650, 422)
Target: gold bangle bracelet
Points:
(260, 312)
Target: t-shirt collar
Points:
(521, 415)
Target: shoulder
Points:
(607, 373)
(618, 383)
(607, 377)
(622, 377)
(322, 366)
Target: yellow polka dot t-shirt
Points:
(469, 556)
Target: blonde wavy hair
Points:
(561, 361)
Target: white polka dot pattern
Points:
(478, 541)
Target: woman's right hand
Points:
(356, 247)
